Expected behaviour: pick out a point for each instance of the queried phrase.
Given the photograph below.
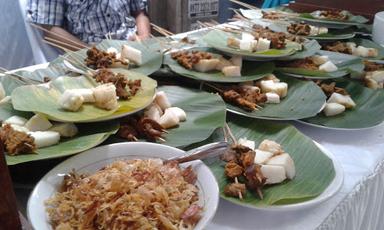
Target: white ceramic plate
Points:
(329, 192)
(92, 160)
(334, 128)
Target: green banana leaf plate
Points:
(334, 35)
(218, 40)
(304, 99)
(250, 70)
(369, 44)
(89, 136)
(353, 20)
(43, 98)
(368, 112)
(152, 57)
(346, 64)
(205, 113)
(315, 170)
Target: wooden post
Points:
(9, 215)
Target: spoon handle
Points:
(203, 152)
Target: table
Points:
(358, 205)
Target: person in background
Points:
(90, 21)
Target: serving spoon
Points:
(206, 151)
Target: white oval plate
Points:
(92, 160)
(329, 192)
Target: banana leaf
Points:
(346, 64)
(250, 70)
(310, 48)
(314, 170)
(44, 99)
(369, 44)
(353, 20)
(218, 40)
(89, 136)
(368, 112)
(152, 57)
(205, 112)
(334, 35)
(304, 99)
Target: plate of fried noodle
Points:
(125, 186)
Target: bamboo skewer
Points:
(56, 45)
(61, 43)
(53, 33)
(161, 30)
(246, 5)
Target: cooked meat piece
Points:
(253, 96)
(97, 59)
(247, 158)
(299, 29)
(189, 175)
(340, 47)
(334, 14)
(188, 58)
(372, 66)
(255, 178)
(128, 132)
(150, 129)
(120, 81)
(306, 63)
(331, 88)
(277, 38)
(233, 189)
(233, 170)
(70, 180)
(16, 142)
(272, 15)
(235, 98)
(229, 155)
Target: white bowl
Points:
(92, 160)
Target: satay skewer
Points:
(246, 5)
(57, 42)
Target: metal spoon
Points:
(206, 151)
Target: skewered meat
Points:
(97, 59)
(299, 29)
(142, 127)
(233, 189)
(340, 47)
(372, 66)
(306, 63)
(16, 142)
(234, 97)
(232, 170)
(229, 155)
(255, 178)
(120, 81)
(189, 58)
(331, 88)
(334, 14)
(277, 38)
(272, 15)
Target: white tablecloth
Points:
(358, 205)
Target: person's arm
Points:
(64, 37)
(143, 26)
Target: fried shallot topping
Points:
(120, 81)
(277, 38)
(334, 15)
(233, 189)
(340, 47)
(133, 128)
(189, 58)
(372, 66)
(331, 88)
(302, 29)
(16, 142)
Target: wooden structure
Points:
(182, 15)
(367, 8)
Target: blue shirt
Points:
(89, 20)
